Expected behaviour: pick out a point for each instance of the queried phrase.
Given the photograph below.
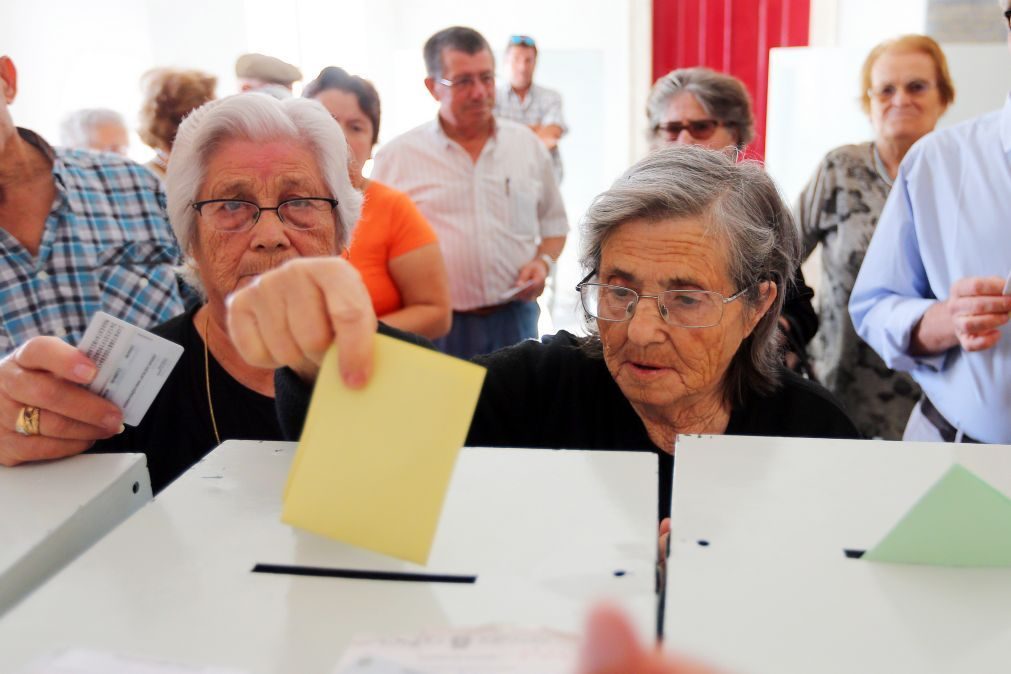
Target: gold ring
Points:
(28, 421)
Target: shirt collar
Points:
(1005, 125)
(440, 133)
(38, 142)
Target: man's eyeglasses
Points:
(237, 215)
(468, 82)
(913, 88)
(522, 41)
(681, 308)
(700, 129)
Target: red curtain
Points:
(732, 36)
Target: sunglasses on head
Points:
(700, 129)
(522, 40)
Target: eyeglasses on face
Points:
(700, 129)
(914, 88)
(522, 40)
(237, 215)
(468, 82)
(680, 308)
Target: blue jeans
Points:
(473, 335)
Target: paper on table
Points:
(960, 521)
(373, 465)
(492, 649)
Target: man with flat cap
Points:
(266, 74)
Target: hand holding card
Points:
(513, 292)
(133, 364)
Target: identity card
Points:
(132, 363)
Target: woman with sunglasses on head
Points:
(699, 106)
(905, 88)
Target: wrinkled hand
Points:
(291, 315)
(46, 372)
(978, 308)
(611, 647)
(536, 271)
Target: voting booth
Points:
(765, 575)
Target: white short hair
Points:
(259, 118)
(77, 128)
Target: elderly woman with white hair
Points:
(253, 183)
(684, 258)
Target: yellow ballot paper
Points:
(373, 465)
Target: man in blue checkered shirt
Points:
(79, 233)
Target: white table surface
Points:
(543, 530)
(773, 592)
(51, 512)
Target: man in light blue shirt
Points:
(929, 297)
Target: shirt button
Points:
(60, 331)
(142, 283)
(42, 275)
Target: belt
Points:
(483, 311)
(943, 426)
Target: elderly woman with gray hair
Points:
(699, 106)
(684, 258)
(253, 183)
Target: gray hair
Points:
(78, 126)
(457, 38)
(260, 118)
(743, 208)
(722, 96)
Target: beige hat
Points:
(266, 68)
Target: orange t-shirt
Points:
(390, 226)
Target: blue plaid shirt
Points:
(107, 246)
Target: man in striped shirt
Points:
(79, 232)
(488, 188)
(522, 101)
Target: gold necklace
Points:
(207, 377)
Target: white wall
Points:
(864, 23)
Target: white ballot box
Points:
(52, 511)
(546, 533)
(759, 580)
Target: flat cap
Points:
(267, 68)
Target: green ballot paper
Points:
(373, 465)
(960, 521)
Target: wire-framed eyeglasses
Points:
(239, 215)
(913, 88)
(468, 82)
(680, 308)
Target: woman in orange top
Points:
(393, 246)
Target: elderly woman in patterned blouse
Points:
(906, 88)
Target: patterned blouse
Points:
(839, 209)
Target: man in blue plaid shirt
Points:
(79, 233)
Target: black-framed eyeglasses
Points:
(700, 129)
(1007, 15)
(914, 88)
(467, 82)
(522, 41)
(680, 308)
(238, 215)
